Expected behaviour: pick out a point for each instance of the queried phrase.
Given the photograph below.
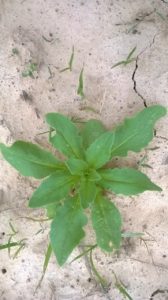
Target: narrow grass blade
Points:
(65, 69)
(47, 258)
(12, 228)
(132, 234)
(21, 245)
(45, 264)
(131, 53)
(36, 220)
(84, 252)
(80, 85)
(89, 108)
(122, 62)
(121, 288)
(71, 59)
(69, 63)
(123, 291)
(8, 245)
(101, 280)
(129, 61)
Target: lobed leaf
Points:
(126, 181)
(66, 229)
(30, 160)
(53, 189)
(136, 133)
(106, 222)
(67, 139)
(99, 151)
(91, 131)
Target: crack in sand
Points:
(161, 137)
(135, 83)
(157, 292)
(135, 71)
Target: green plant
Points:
(80, 91)
(129, 59)
(70, 62)
(15, 51)
(83, 177)
(30, 69)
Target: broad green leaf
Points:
(93, 175)
(30, 160)
(106, 222)
(91, 131)
(67, 139)
(136, 133)
(99, 151)
(66, 229)
(126, 181)
(87, 192)
(52, 189)
(76, 166)
(52, 209)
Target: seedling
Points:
(21, 244)
(121, 288)
(8, 246)
(29, 71)
(127, 61)
(83, 179)
(15, 51)
(80, 91)
(69, 63)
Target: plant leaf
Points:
(87, 192)
(71, 59)
(80, 84)
(91, 131)
(52, 209)
(106, 222)
(129, 234)
(45, 264)
(122, 62)
(121, 288)
(126, 181)
(99, 151)
(93, 175)
(52, 189)
(66, 229)
(76, 166)
(136, 133)
(30, 160)
(67, 139)
(131, 53)
(8, 245)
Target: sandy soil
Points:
(103, 33)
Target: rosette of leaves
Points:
(80, 180)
